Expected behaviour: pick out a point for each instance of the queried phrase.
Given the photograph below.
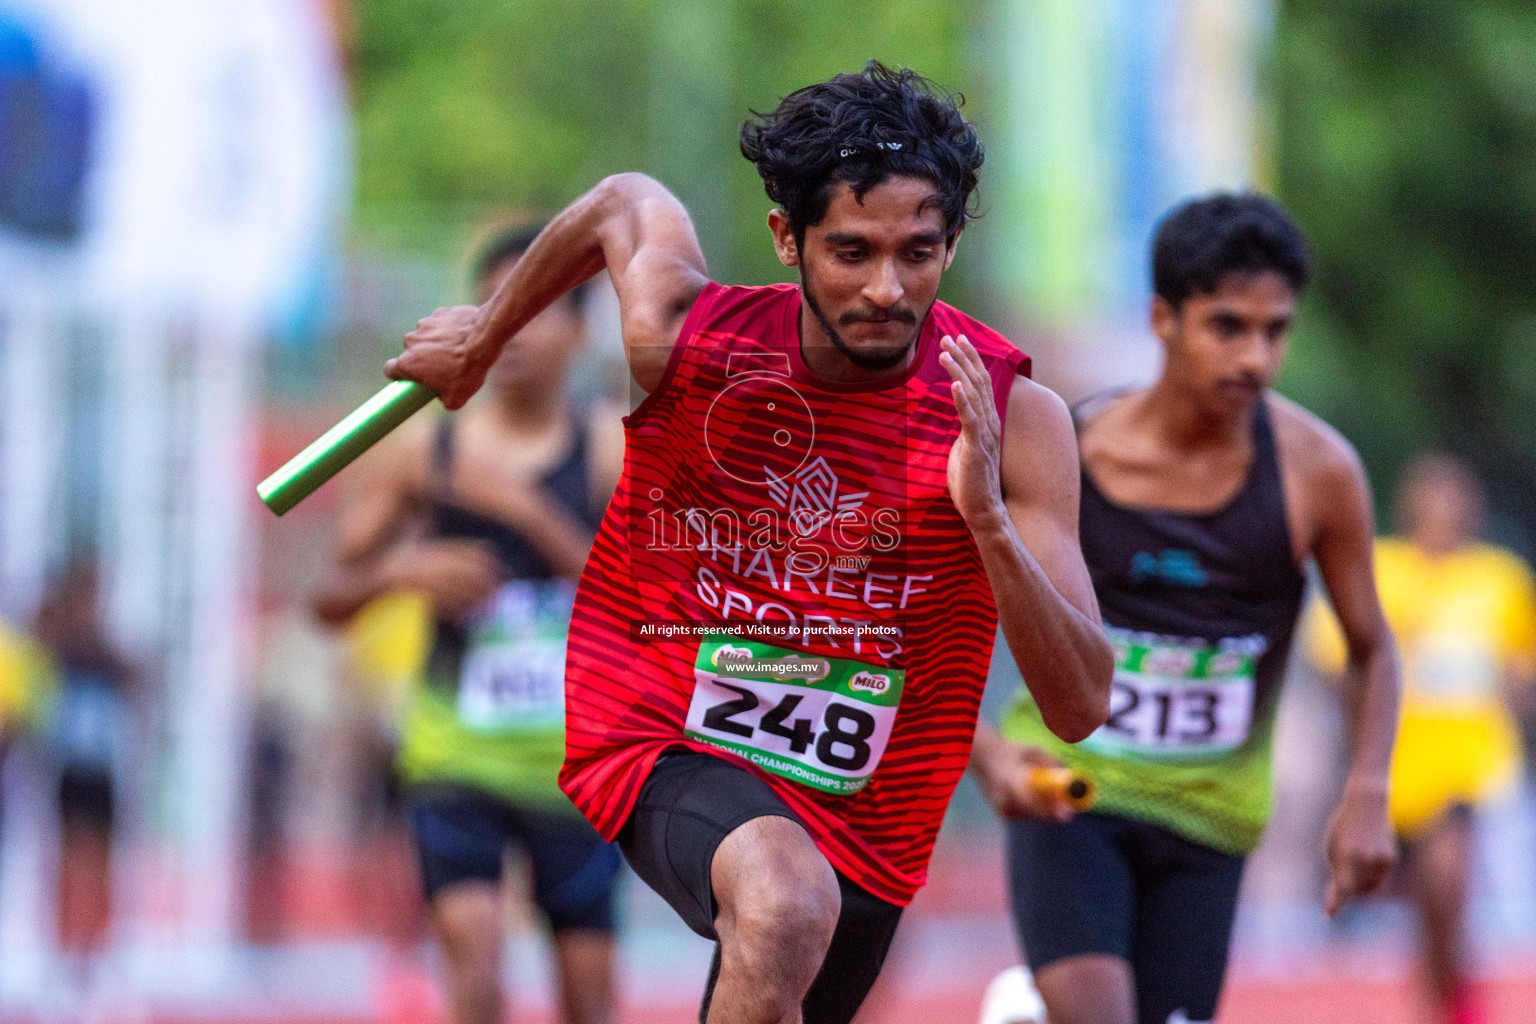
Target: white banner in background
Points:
(221, 157)
(220, 163)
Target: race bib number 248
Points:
(822, 722)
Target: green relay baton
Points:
(337, 447)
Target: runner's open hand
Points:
(975, 460)
(441, 354)
(1361, 850)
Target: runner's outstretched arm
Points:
(629, 225)
(1017, 490)
(1361, 850)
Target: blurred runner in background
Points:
(1465, 618)
(91, 728)
(490, 513)
(1203, 496)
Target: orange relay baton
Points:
(1071, 788)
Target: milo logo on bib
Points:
(873, 682)
(823, 722)
(1175, 698)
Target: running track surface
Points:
(953, 940)
(1322, 999)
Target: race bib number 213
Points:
(1178, 700)
(822, 722)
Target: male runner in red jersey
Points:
(781, 637)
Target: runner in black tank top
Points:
(1200, 608)
(491, 513)
(485, 740)
(1125, 912)
(567, 482)
(1212, 597)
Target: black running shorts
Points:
(461, 835)
(1105, 884)
(688, 805)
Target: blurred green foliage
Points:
(468, 106)
(1407, 149)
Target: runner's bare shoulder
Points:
(651, 328)
(1102, 431)
(1039, 444)
(1035, 408)
(657, 269)
(1306, 441)
(1320, 470)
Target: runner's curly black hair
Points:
(1203, 240)
(862, 129)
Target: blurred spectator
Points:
(26, 685)
(269, 790)
(1465, 617)
(387, 646)
(328, 851)
(91, 724)
(15, 699)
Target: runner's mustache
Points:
(906, 316)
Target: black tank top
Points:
(1200, 610)
(567, 481)
(1220, 576)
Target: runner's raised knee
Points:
(774, 888)
(796, 912)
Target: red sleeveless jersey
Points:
(782, 579)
